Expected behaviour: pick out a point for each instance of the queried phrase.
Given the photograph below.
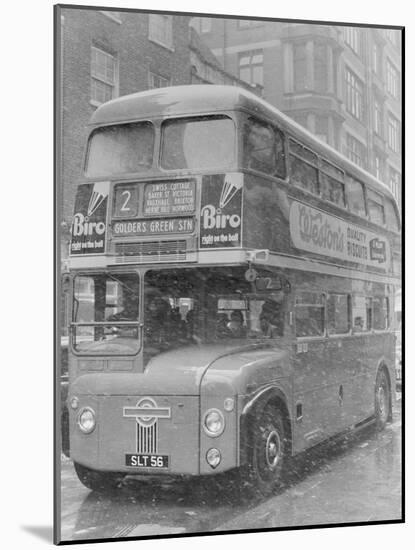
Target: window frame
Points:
(308, 162)
(393, 127)
(342, 181)
(323, 306)
(355, 97)
(353, 39)
(392, 79)
(363, 187)
(151, 76)
(351, 150)
(197, 118)
(118, 124)
(168, 39)
(114, 84)
(136, 324)
(387, 318)
(349, 315)
(369, 314)
(371, 199)
(250, 54)
(276, 132)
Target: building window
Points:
(160, 29)
(322, 128)
(392, 80)
(356, 151)
(104, 76)
(377, 165)
(320, 67)
(376, 59)
(393, 133)
(157, 81)
(377, 118)
(353, 39)
(205, 24)
(300, 68)
(392, 36)
(354, 95)
(251, 67)
(394, 180)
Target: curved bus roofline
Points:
(204, 99)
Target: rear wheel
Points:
(97, 481)
(269, 451)
(382, 399)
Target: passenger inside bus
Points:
(236, 325)
(271, 319)
(157, 320)
(261, 148)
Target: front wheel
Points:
(268, 452)
(382, 399)
(97, 481)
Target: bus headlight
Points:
(86, 420)
(213, 457)
(213, 422)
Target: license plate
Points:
(147, 461)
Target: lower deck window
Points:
(309, 314)
(338, 313)
(105, 314)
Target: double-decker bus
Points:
(232, 285)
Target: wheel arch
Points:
(253, 409)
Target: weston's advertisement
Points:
(221, 211)
(314, 231)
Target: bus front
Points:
(164, 316)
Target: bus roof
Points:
(207, 98)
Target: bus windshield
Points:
(105, 314)
(200, 143)
(120, 149)
(203, 306)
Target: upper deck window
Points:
(264, 148)
(391, 216)
(375, 206)
(356, 196)
(304, 172)
(332, 184)
(198, 144)
(120, 149)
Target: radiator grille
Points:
(153, 251)
(147, 439)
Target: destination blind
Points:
(169, 198)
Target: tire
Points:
(97, 481)
(268, 454)
(382, 399)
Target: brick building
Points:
(341, 83)
(106, 54)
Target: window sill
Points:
(162, 44)
(109, 14)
